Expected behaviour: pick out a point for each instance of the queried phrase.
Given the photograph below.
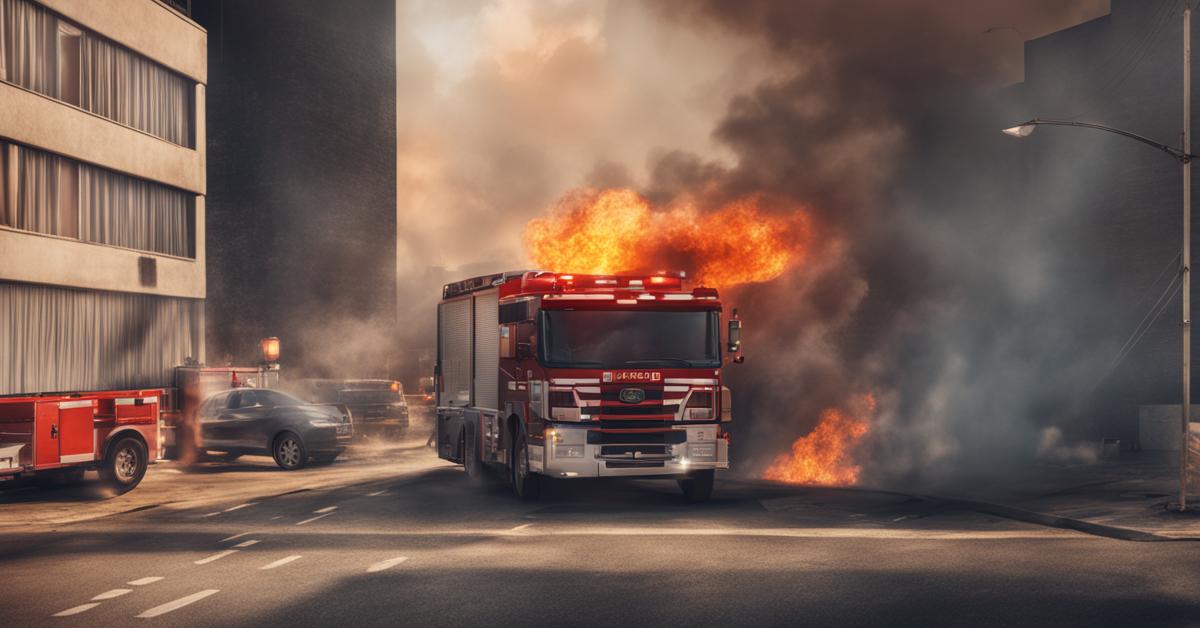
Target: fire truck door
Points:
(76, 439)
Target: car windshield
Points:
(629, 339)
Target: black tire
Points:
(124, 464)
(525, 484)
(471, 462)
(289, 452)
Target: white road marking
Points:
(236, 536)
(213, 514)
(326, 509)
(170, 471)
(314, 518)
(77, 610)
(276, 517)
(386, 564)
(239, 506)
(281, 562)
(247, 543)
(144, 581)
(217, 556)
(520, 527)
(108, 595)
(163, 609)
(376, 493)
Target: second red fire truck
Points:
(543, 374)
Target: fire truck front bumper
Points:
(577, 452)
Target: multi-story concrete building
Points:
(102, 183)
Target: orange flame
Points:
(616, 230)
(825, 455)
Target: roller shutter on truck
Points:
(454, 351)
(487, 350)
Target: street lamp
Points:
(1184, 157)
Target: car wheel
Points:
(526, 484)
(698, 486)
(289, 452)
(125, 465)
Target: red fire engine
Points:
(114, 432)
(544, 374)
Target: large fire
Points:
(826, 455)
(607, 231)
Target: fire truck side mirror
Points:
(524, 350)
(734, 338)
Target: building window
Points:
(49, 55)
(59, 196)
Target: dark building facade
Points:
(1113, 205)
(302, 182)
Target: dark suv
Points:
(376, 406)
(260, 421)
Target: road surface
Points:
(400, 538)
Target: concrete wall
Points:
(1116, 205)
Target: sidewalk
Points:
(1130, 492)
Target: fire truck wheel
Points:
(698, 487)
(124, 465)
(289, 452)
(526, 484)
(471, 462)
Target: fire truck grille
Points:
(665, 437)
(621, 450)
(633, 411)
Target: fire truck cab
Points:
(543, 374)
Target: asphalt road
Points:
(422, 546)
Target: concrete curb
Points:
(991, 508)
(1055, 521)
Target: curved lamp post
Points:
(1184, 157)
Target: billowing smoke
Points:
(871, 118)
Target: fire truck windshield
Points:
(624, 338)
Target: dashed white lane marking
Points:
(247, 543)
(239, 506)
(217, 556)
(170, 471)
(77, 610)
(314, 518)
(520, 527)
(386, 564)
(212, 514)
(281, 562)
(325, 509)
(376, 493)
(276, 517)
(236, 536)
(144, 581)
(108, 595)
(163, 609)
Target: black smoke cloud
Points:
(885, 130)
